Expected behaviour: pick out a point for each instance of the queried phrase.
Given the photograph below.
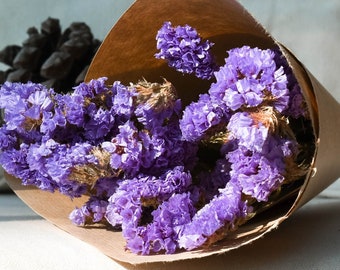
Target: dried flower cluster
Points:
(169, 177)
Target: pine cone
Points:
(53, 57)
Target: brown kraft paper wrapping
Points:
(127, 55)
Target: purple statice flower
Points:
(38, 154)
(279, 91)
(162, 233)
(260, 173)
(36, 159)
(98, 208)
(225, 210)
(185, 51)
(125, 150)
(245, 92)
(249, 78)
(14, 109)
(164, 149)
(23, 90)
(249, 133)
(39, 101)
(93, 211)
(44, 182)
(123, 100)
(200, 117)
(51, 121)
(152, 119)
(79, 216)
(124, 207)
(156, 104)
(8, 139)
(14, 163)
(57, 162)
(105, 186)
(73, 107)
(89, 107)
(252, 62)
(133, 151)
(92, 88)
(99, 124)
(23, 106)
(132, 194)
(297, 106)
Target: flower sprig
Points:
(185, 50)
(171, 178)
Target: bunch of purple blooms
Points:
(169, 177)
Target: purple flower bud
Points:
(184, 50)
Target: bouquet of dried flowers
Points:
(170, 177)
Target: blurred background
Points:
(310, 28)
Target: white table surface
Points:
(310, 239)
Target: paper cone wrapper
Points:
(127, 55)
